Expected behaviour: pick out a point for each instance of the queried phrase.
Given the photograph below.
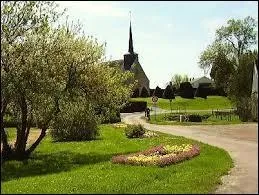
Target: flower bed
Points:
(159, 155)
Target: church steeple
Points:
(130, 40)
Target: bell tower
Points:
(131, 56)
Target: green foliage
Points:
(158, 92)
(74, 123)
(169, 93)
(193, 118)
(186, 90)
(244, 108)
(134, 131)
(44, 66)
(177, 79)
(144, 92)
(240, 34)
(203, 90)
(231, 60)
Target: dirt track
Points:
(241, 141)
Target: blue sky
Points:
(168, 35)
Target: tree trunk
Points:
(21, 140)
(36, 143)
(6, 150)
(171, 106)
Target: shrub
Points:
(134, 131)
(112, 117)
(134, 107)
(172, 117)
(193, 118)
(186, 90)
(203, 90)
(135, 93)
(158, 92)
(144, 92)
(75, 123)
(151, 92)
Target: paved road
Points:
(241, 141)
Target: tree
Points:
(186, 90)
(158, 92)
(177, 79)
(239, 34)
(169, 94)
(48, 68)
(230, 59)
(19, 19)
(202, 90)
(144, 92)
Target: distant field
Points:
(212, 102)
(160, 120)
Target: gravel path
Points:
(241, 141)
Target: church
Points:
(131, 63)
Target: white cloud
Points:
(96, 8)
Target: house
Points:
(254, 94)
(130, 62)
(195, 82)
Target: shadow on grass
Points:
(40, 164)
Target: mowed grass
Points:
(212, 102)
(212, 120)
(85, 167)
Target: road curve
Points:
(241, 141)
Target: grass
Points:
(212, 102)
(212, 120)
(85, 167)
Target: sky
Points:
(168, 36)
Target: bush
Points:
(158, 92)
(186, 90)
(112, 117)
(144, 92)
(203, 90)
(75, 123)
(134, 107)
(134, 131)
(151, 92)
(172, 117)
(193, 118)
(135, 93)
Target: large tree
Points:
(230, 58)
(47, 68)
(19, 19)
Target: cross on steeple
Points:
(130, 38)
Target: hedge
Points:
(134, 107)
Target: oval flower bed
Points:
(159, 155)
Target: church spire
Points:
(130, 38)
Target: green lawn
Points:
(159, 120)
(212, 102)
(85, 167)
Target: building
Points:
(254, 94)
(195, 82)
(130, 62)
